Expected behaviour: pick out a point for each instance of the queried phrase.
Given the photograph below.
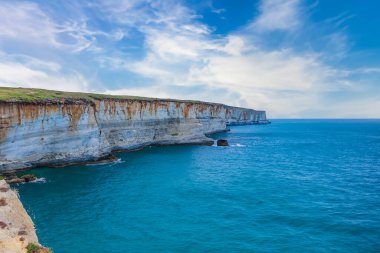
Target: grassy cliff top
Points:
(8, 94)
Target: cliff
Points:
(64, 128)
(16, 228)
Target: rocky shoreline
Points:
(17, 232)
(15, 179)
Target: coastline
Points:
(63, 132)
(76, 128)
(17, 230)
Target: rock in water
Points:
(28, 178)
(222, 143)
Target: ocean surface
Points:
(291, 186)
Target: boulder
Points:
(28, 178)
(222, 143)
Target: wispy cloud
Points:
(25, 22)
(278, 15)
(162, 48)
(187, 54)
(23, 71)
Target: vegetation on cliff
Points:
(34, 248)
(29, 94)
(8, 94)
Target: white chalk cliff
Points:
(67, 131)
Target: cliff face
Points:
(16, 227)
(61, 132)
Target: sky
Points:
(292, 58)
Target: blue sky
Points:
(292, 58)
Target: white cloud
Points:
(25, 22)
(28, 72)
(261, 78)
(181, 57)
(235, 45)
(283, 81)
(158, 92)
(135, 13)
(278, 15)
(276, 70)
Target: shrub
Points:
(32, 248)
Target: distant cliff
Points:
(59, 131)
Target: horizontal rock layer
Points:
(63, 132)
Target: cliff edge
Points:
(42, 127)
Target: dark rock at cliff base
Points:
(14, 179)
(28, 178)
(222, 143)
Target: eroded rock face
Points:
(61, 133)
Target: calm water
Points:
(292, 186)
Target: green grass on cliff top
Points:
(30, 94)
(35, 95)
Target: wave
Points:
(232, 145)
(117, 161)
(40, 180)
(237, 145)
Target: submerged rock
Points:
(222, 143)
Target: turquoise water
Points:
(292, 186)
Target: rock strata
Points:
(61, 132)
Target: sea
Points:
(290, 186)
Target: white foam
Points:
(106, 163)
(117, 161)
(40, 180)
(237, 145)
